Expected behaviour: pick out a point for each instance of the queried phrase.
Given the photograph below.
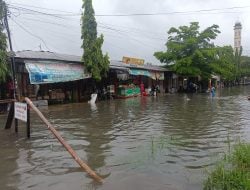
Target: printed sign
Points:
(21, 111)
(47, 72)
(139, 72)
(130, 60)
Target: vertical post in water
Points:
(28, 121)
(16, 125)
(16, 120)
(10, 116)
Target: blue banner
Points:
(51, 72)
(139, 72)
(155, 75)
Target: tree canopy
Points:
(94, 60)
(237, 60)
(189, 51)
(245, 66)
(224, 64)
(4, 70)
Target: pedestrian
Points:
(142, 88)
(11, 88)
(213, 91)
(157, 88)
(153, 90)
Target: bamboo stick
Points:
(82, 164)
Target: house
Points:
(59, 77)
(50, 76)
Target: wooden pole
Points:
(13, 66)
(28, 121)
(16, 125)
(10, 116)
(83, 165)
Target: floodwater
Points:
(169, 142)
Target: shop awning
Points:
(155, 75)
(139, 72)
(53, 72)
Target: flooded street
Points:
(168, 142)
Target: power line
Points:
(64, 35)
(132, 28)
(114, 46)
(30, 33)
(31, 11)
(37, 7)
(48, 22)
(175, 12)
(147, 45)
(128, 31)
(127, 34)
(210, 11)
(74, 42)
(171, 13)
(122, 32)
(103, 25)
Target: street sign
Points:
(21, 111)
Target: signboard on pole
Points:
(21, 111)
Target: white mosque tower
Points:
(237, 36)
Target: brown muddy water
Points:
(169, 142)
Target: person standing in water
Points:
(213, 91)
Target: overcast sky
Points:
(134, 36)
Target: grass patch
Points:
(233, 173)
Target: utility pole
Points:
(11, 50)
(11, 111)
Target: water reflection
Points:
(93, 107)
(9, 154)
(164, 142)
(97, 135)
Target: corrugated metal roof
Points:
(47, 55)
(27, 54)
(114, 63)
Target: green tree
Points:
(190, 52)
(245, 66)
(4, 69)
(93, 59)
(237, 59)
(224, 64)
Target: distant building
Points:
(237, 36)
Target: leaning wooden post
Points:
(64, 143)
